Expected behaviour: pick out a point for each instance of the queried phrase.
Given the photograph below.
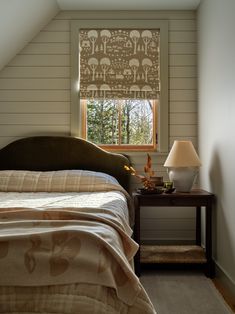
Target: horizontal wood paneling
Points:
(52, 37)
(180, 118)
(33, 83)
(41, 60)
(178, 83)
(167, 235)
(58, 26)
(182, 37)
(182, 60)
(34, 119)
(168, 212)
(183, 130)
(35, 72)
(157, 160)
(183, 95)
(33, 130)
(46, 49)
(34, 95)
(35, 107)
(35, 99)
(182, 25)
(183, 106)
(183, 71)
(182, 48)
(173, 224)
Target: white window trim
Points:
(163, 124)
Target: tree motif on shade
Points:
(135, 35)
(119, 59)
(147, 36)
(92, 35)
(105, 36)
(93, 63)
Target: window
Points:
(120, 124)
(119, 103)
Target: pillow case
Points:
(56, 181)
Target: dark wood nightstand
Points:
(196, 198)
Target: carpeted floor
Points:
(183, 292)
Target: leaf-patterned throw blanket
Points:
(77, 233)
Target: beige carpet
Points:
(183, 292)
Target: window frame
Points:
(122, 147)
(162, 112)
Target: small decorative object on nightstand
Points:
(150, 182)
(168, 187)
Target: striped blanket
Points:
(67, 228)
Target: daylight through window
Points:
(120, 123)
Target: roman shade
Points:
(119, 63)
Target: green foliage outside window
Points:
(120, 122)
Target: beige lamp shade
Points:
(182, 154)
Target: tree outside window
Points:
(120, 123)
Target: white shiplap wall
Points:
(35, 98)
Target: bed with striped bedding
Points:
(66, 244)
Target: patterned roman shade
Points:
(119, 63)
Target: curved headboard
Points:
(48, 153)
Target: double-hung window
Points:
(119, 102)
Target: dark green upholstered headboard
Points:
(47, 153)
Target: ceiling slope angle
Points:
(20, 21)
(128, 5)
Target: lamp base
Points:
(183, 178)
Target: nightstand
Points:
(177, 254)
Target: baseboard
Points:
(225, 285)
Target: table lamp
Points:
(182, 163)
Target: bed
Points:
(66, 230)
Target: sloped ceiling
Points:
(20, 21)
